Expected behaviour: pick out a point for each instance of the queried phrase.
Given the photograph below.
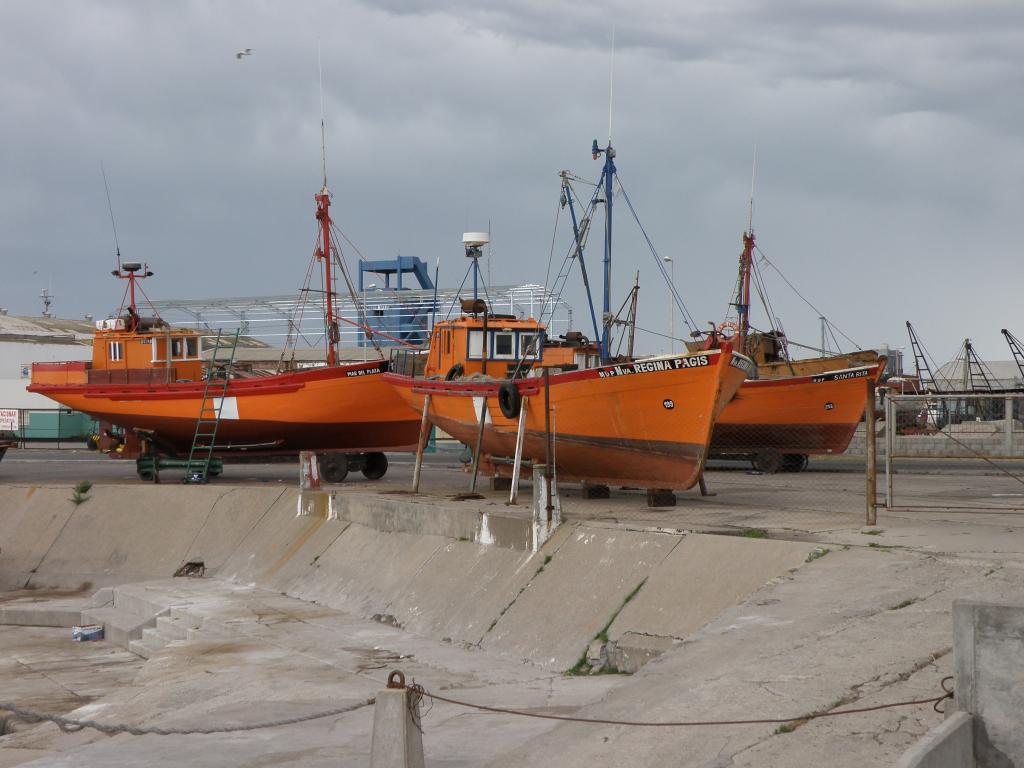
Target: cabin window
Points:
(447, 342)
(192, 347)
(115, 351)
(177, 347)
(504, 344)
(528, 346)
(476, 345)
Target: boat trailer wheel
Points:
(768, 461)
(794, 462)
(334, 467)
(375, 466)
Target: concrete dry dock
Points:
(303, 614)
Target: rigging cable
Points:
(687, 318)
(802, 297)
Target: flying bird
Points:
(246, 52)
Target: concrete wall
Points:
(950, 745)
(988, 651)
(406, 562)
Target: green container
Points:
(60, 424)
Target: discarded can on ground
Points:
(87, 632)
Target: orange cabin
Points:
(155, 353)
(498, 346)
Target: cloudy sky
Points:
(890, 172)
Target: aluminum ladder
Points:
(215, 388)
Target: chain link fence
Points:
(47, 428)
(954, 451)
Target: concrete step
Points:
(153, 640)
(172, 628)
(120, 626)
(141, 648)
(184, 614)
(137, 602)
(41, 614)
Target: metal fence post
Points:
(890, 443)
(869, 437)
(1008, 418)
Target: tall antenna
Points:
(323, 132)
(611, 88)
(753, 176)
(110, 208)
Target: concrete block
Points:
(499, 483)
(31, 519)
(948, 745)
(463, 589)
(397, 740)
(631, 651)
(577, 594)
(988, 659)
(589, 491)
(120, 627)
(40, 615)
(714, 573)
(660, 497)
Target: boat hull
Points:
(345, 408)
(801, 415)
(644, 424)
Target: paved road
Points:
(42, 465)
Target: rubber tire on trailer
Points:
(334, 467)
(147, 476)
(768, 461)
(509, 400)
(91, 444)
(455, 372)
(794, 462)
(375, 466)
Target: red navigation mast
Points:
(323, 203)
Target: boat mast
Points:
(323, 215)
(567, 196)
(746, 267)
(743, 294)
(323, 204)
(607, 175)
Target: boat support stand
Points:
(517, 464)
(420, 446)
(479, 445)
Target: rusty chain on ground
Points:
(420, 694)
(70, 724)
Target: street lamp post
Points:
(671, 303)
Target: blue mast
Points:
(607, 175)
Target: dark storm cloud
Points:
(887, 132)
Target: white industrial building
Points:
(27, 340)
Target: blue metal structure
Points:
(403, 322)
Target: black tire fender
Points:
(455, 372)
(509, 400)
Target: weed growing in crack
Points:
(755, 533)
(582, 667)
(79, 494)
(904, 604)
(817, 554)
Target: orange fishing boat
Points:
(148, 379)
(778, 420)
(499, 385)
(643, 422)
